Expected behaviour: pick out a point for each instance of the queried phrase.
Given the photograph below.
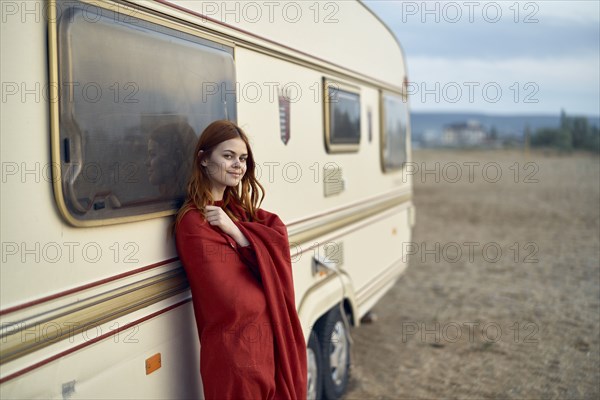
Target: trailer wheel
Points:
(335, 347)
(314, 366)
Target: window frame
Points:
(382, 130)
(56, 145)
(330, 146)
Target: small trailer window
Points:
(134, 94)
(394, 127)
(342, 117)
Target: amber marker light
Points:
(153, 363)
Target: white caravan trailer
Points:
(94, 302)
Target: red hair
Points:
(199, 194)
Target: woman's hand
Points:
(217, 217)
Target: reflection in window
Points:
(394, 131)
(342, 108)
(134, 97)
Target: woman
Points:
(169, 158)
(237, 260)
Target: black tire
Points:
(335, 349)
(315, 368)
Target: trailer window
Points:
(134, 95)
(342, 117)
(394, 127)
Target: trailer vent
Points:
(284, 118)
(332, 178)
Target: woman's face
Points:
(227, 164)
(161, 167)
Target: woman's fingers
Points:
(212, 210)
(212, 217)
(215, 215)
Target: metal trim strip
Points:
(90, 342)
(83, 314)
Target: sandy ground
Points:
(475, 323)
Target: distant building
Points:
(431, 137)
(470, 133)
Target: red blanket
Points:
(252, 345)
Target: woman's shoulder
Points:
(192, 219)
(267, 217)
(263, 212)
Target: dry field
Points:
(501, 298)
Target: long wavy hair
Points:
(248, 194)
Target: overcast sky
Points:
(502, 57)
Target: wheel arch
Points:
(324, 296)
